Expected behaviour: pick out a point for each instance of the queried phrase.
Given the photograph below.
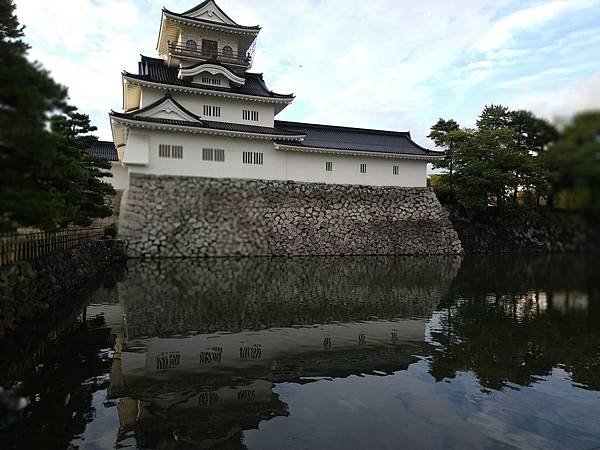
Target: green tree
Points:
(532, 136)
(27, 149)
(496, 161)
(573, 161)
(446, 134)
(81, 183)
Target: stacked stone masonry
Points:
(173, 216)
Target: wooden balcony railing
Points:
(225, 57)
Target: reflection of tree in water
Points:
(61, 388)
(510, 321)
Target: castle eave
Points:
(339, 151)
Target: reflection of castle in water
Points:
(205, 339)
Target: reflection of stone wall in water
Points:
(167, 297)
(193, 216)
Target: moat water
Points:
(316, 353)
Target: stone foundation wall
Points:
(192, 216)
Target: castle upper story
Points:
(206, 33)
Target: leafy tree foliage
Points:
(497, 162)
(573, 162)
(81, 183)
(43, 168)
(446, 134)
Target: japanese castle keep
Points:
(209, 171)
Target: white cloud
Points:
(581, 94)
(384, 64)
(525, 19)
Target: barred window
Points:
(213, 111)
(363, 168)
(250, 115)
(252, 158)
(395, 170)
(177, 151)
(207, 154)
(219, 154)
(211, 80)
(328, 166)
(170, 151)
(164, 151)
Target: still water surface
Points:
(318, 353)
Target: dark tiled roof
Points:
(155, 70)
(360, 139)
(104, 149)
(255, 28)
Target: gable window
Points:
(211, 80)
(329, 166)
(250, 115)
(170, 151)
(395, 170)
(227, 51)
(363, 168)
(252, 158)
(191, 46)
(213, 111)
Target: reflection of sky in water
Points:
(410, 410)
(512, 345)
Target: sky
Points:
(386, 64)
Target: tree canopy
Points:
(515, 158)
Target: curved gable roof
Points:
(155, 70)
(206, 3)
(244, 28)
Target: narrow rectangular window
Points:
(207, 154)
(219, 154)
(164, 151)
(252, 158)
(328, 166)
(395, 170)
(363, 168)
(250, 115)
(213, 111)
(170, 151)
(177, 151)
(211, 80)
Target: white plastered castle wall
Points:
(231, 109)
(277, 164)
(120, 176)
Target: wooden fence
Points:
(30, 246)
